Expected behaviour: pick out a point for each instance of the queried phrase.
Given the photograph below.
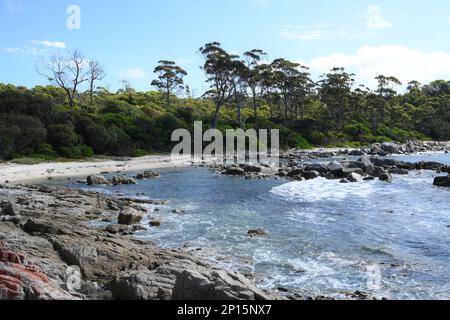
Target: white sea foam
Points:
(323, 189)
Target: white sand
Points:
(15, 173)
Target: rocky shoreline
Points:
(49, 250)
(370, 164)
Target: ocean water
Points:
(324, 238)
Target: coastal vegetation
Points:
(73, 117)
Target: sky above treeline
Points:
(404, 38)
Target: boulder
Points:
(234, 171)
(319, 167)
(251, 169)
(442, 181)
(386, 177)
(257, 232)
(335, 168)
(96, 180)
(211, 285)
(366, 165)
(9, 209)
(130, 216)
(354, 177)
(310, 175)
(155, 223)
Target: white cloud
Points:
(11, 50)
(375, 20)
(53, 44)
(448, 19)
(134, 73)
(301, 33)
(391, 60)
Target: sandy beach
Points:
(15, 173)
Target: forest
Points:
(74, 117)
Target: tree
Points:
(170, 79)
(66, 71)
(385, 92)
(218, 72)
(96, 73)
(255, 78)
(334, 92)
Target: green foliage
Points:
(36, 125)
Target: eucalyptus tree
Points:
(385, 92)
(219, 73)
(240, 74)
(96, 73)
(334, 91)
(284, 75)
(67, 71)
(255, 79)
(170, 79)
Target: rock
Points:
(366, 165)
(318, 167)
(130, 216)
(390, 148)
(251, 169)
(356, 153)
(155, 223)
(117, 228)
(344, 181)
(386, 177)
(354, 177)
(147, 175)
(282, 173)
(19, 280)
(96, 180)
(370, 178)
(257, 232)
(178, 211)
(296, 173)
(347, 170)
(442, 181)
(234, 171)
(9, 209)
(45, 189)
(145, 284)
(335, 168)
(310, 175)
(215, 285)
(116, 181)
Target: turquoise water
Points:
(324, 237)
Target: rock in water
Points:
(311, 175)
(335, 168)
(96, 180)
(130, 216)
(235, 171)
(354, 177)
(257, 232)
(386, 177)
(442, 181)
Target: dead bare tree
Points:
(68, 71)
(96, 73)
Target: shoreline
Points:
(18, 173)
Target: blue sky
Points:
(404, 38)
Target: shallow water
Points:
(324, 237)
